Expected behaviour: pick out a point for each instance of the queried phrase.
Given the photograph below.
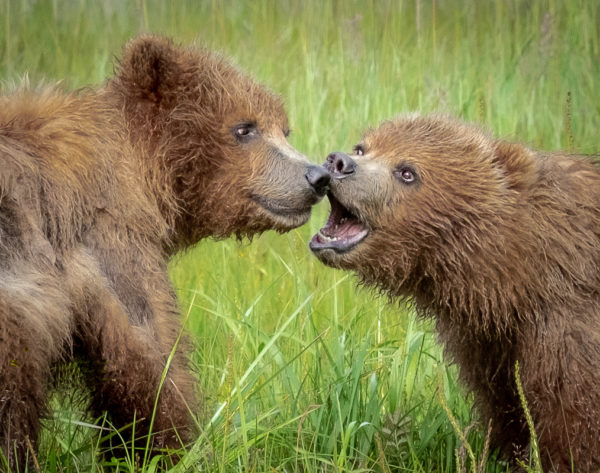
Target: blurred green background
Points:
(301, 370)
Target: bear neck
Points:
(166, 164)
(490, 288)
(515, 267)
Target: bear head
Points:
(421, 198)
(214, 143)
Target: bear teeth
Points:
(326, 238)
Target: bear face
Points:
(411, 188)
(218, 141)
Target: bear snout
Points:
(318, 177)
(340, 165)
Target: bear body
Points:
(500, 245)
(97, 190)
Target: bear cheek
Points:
(277, 175)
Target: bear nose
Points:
(340, 164)
(318, 178)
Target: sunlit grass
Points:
(300, 370)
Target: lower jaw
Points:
(287, 221)
(337, 248)
(335, 259)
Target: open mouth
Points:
(342, 232)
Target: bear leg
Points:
(126, 367)
(34, 331)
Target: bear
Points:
(498, 244)
(98, 189)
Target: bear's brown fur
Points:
(500, 245)
(97, 189)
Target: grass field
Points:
(299, 369)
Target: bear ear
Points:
(517, 164)
(150, 69)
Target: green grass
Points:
(299, 369)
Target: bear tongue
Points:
(350, 229)
(344, 228)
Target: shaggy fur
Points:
(97, 190)
(500, 245)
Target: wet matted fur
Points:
(500, 245)
(97, 190)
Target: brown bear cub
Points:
(500, 245)
(97, 190)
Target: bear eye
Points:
(405, 174)
(359, 150)
(244, 131)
